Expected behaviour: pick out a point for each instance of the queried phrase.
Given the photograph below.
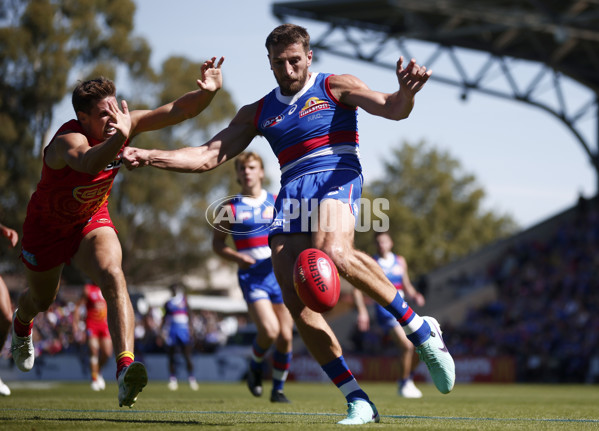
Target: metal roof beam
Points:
(570, 55)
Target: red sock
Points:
(123, 360)
(22, 329)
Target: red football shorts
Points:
(97, 330)
(42, 250)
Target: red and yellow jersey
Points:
(95, 305)
(65, 198)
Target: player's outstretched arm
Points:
(224, 146)
(394, 106)
(187, 106)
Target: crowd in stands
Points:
(53, 332)
(546, 315)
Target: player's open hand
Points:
(212, 78)
(413, 77)
(120, 120)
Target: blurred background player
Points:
(396, 270)
(5, 303)
(177, 332)
(251, 213)
(99, 343)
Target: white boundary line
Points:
(221, 412)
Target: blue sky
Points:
(529, 164)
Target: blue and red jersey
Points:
(393, 268)
(311, 131)
(176, 312)
(252, 220)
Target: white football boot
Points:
(433, 352)
(360, 412)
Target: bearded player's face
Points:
(290, 64)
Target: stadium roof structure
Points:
(555, 41)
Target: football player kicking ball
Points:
(67, 217)
(310, 122)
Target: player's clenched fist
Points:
(135, 157)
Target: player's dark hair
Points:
(88, 93)
(288, 34)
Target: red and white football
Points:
(316, 280)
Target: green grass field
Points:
(73, 406)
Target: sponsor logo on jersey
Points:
(115, 164)
(95, 192)
(313, 104)
(273, 121)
